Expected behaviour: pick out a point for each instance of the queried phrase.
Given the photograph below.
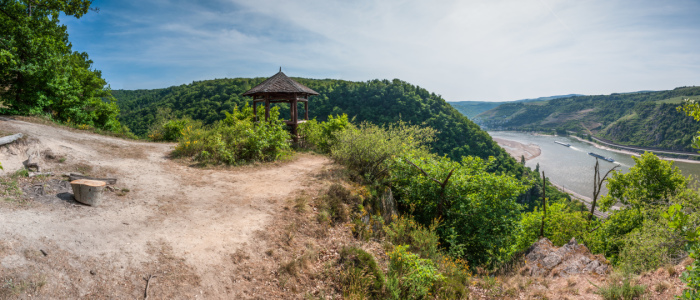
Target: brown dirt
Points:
(198, 231)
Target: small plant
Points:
(336, 205)
(360, 276)
(671, 269)
(301, 203)
(20, 173)
(620, 289)
(661, 287)
(403, 230)
(411, 277)
(9, 188)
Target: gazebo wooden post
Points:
(306, 110)
(267, 108)
(295, 120)
(255, 110)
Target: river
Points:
(572, 167)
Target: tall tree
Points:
(39, 72)
(651, 182)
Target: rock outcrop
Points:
(544, 259)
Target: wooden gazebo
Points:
(280, 88)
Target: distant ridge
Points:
(643, 118)
(472, 108)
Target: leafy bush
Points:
(367, 148)
(236, 139)
(322, 135)
(607, 239)
(478, 208)
(560, 226)
(651, 182)
(410, 277)
(650, 247)
(682, 221)
(172, 130)
(424, 241)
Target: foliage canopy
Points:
(39, 72)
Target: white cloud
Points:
(464, 50)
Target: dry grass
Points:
(671, 269)
(13, 287)
(661, 287)
(301, 203)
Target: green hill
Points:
(376, 101)
(646, 119)
(473, 108)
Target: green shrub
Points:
(322, 136)
(236, 139)
(478, 209)
(681, 220)
(360, 275)
(607, 239)
(457, 277)
(366, 149)
(172, 130)
(403, 230)
(411, 277)
(649, 247)
(561, 225)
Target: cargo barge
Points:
(563, 144)
(601, 157)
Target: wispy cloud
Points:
(464, 50)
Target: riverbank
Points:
(518, 150)
(585, 200)
(632, 153)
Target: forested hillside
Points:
(376, 101)
(473, 108)
(647, 119)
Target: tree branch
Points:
(444, 183)
(8, 15)
(426, 173)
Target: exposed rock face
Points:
(543, 259)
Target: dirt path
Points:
(173, 217)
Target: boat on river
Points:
(601, 157)
(563, 144)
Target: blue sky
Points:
(487, 50)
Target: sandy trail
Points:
(517, 150)
(197, 216)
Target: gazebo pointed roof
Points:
(280, 83)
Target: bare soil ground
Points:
(194, 230)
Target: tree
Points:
(649, 183)
(692, 109)
(597, 185)
(39, 72)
